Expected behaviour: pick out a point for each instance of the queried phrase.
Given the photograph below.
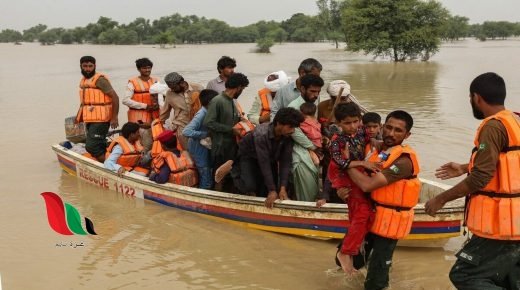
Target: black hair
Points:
(288, 116)
(224, 62)
(237, 80)
(129, 128)
(172, 143)
(491, 87)
(87, 58)
(308, 109)
(206, 96)
(311, 80)
(143, 62)
(371, 117)
(308, 64)
(344, 110)
(401, 115)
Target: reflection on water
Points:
(143, 245)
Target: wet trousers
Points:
(359, 215)
(379, 251)
(487, 264)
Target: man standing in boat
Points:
(291, 91)
(225, 67)
(220, 120)
(395, 191)
(183, 98)
(99, 107)
(491, 258)
(143, 107)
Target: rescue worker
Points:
(143, 107)
(99, 106)
(491, 258)
(395, 191)
(125, 152)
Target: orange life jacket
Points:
(266, 99)
(157, 129)
(195, 104)
(243, 126)
(142, 95)
(131, 152)
(183, 170)
(494, 212)
(394, 202)
(95, 106)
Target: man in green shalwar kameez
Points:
(305, 172)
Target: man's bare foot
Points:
(346, 263)
(223, 170)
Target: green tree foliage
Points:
(456, 27)
(498, 29)
(278, 34)
(10, 35)
(164, 38)
(263, 45)
(302, 28)
(33, 33)
(400, 29)
(329, 20)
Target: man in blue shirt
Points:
(196, 131)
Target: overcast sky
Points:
(22, 14)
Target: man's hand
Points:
(271, 197)
(372, 166)
(114, 123)
(236, 131)
(321, 202)
(264, 119)
(450, 170)
(121, 171)
(283, 193)
(433, 205)
(343, 193)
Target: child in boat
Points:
(347, 150)
(311, 128)
(372, 124)
(173, 165)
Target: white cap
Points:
(276, 84)
(335, 86)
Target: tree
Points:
(48, 37)
(301, 28)
(164, 38)
(279, 35)
(10, 35)
(29, 35)
(455, 27)
(400, 29)
(329, 19)
(263, 45)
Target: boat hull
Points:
(288, 217)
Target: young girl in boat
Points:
(347, 150)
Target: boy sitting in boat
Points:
(311, 128)
(173, 165)
(347, 150)
(125, 152)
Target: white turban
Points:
(275, 85)
(335, 86)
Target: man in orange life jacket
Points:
(491, 258)
(125, 152)
(143, 107)
(99, 106)
(399, 171)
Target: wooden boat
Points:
(288, 217)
